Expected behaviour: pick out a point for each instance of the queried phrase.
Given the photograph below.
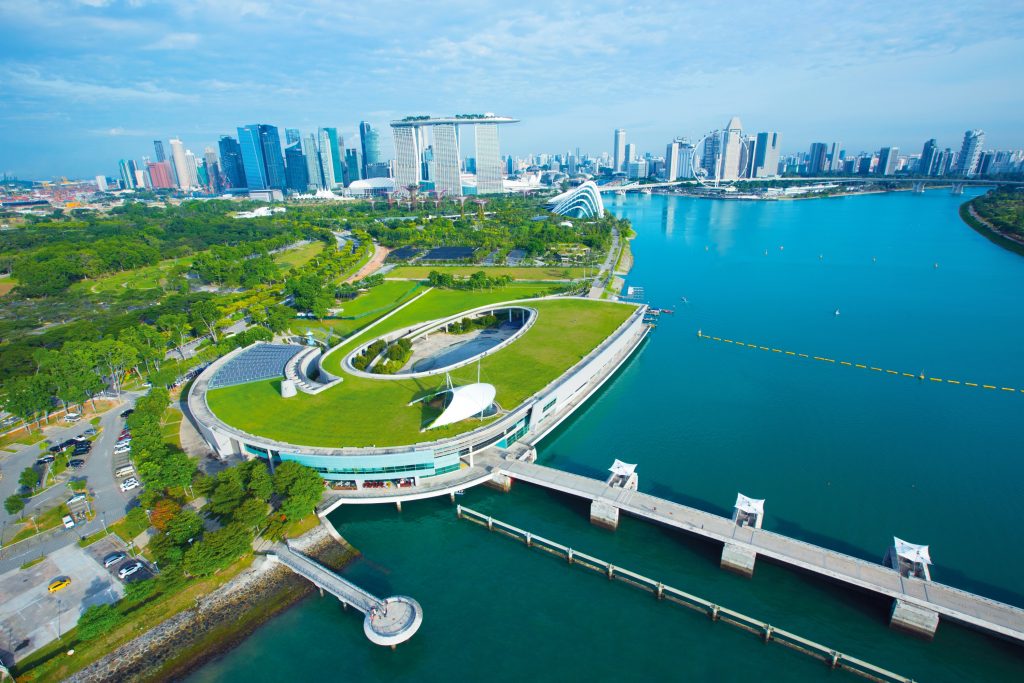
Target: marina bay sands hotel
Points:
(427, 150)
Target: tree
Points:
(117, 358)
(175, 328)
(163, 512)
(227, 495)
(97, 620)
(186, 525)
(260, 485)
(14, 504)
(206, 314)
(250, 513)
(302, 487)
(26, 396)
(29, 478)
(217, 550)
(278, 317)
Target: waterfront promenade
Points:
(974, 610)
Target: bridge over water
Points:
(917, 602)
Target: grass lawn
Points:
(43, 521)
(7, 284)
(371, 412)
(536, 274)
(140, 278)
(21, 438)
(170, 426)
(299, 256)
(361, 311)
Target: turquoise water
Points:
(845, 457)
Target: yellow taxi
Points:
(59, 584)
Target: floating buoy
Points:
(781, 248)
(837, 311)
(936, 265)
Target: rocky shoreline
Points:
(219, 621)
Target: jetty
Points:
(918, 602)
(387, 622)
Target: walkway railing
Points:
(768, 633)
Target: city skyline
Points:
(142, 71)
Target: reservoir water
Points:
(845, 458)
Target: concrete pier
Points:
(926, 596)
(738, 559)
(604, 514)
(499, 482)
(914, 619)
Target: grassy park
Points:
(374, 412)
(148, 277)
(299, 256)
(535, 274)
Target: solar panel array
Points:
(262, 361)
(449, 254)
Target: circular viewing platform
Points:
(395, 621)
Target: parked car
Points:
(125, 434)
(68, 522)
(126, 413)
(76, 463)
(81, 438)
(128, 569)
(91, 431)
(59, 584)
(121, 450)
(77, 498)
(72, 417)
(56, 448)
(124, 471)
(123, 442)
(129, 484)
(45, 460)
(112, 559)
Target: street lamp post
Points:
(103, 521)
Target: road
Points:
(606, 268)
(110, 503)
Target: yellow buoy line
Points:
(860, 366)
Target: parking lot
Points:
(31, 616)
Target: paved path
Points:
(959, 605)
(597, 288)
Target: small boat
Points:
(667, 310)
(837, 311)
(684, 299)
(653, 311)
(460, 492)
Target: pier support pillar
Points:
(738, 559)
(500, 482)
(451, 496)
(604, 514)
(398, 504)
(913, 619)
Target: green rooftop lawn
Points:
(536, 274)
(374, 412)
(362, 310)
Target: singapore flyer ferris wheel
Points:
(706, 161)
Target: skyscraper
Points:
(127, 170)
(970, 152)
(445, 170)
(325, 161)
(731, 149)
(370, 142)
(261, 157)
(816, 162)
(291, 136)
(686, 154)
(630, 157)
(231, 161)
(352, 166)
(488, 161)
(180, 164)
(192, 169)
(213, 172)
(337, 153)
(929, 158)
(887, 158)
(158, 147)
(160, 175)
(711, 160)
(766, 155)
(296, 172)
(407, 158)
(672, 161)
(314, 173)
(619, 150)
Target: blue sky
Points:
(84, 83)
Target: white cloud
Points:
(30, 80)
(176, 41)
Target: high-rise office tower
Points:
(261, 157)
(140, 178)
(160, 177)
(929, 157)
(369, 140)
(887, 158)
(818, 159)
(766, 155)
(296, 170)
(352, 166)
(747, 150)
(313, 166)
(619, 150)
(179, 164)
(672, 161)
(192, 168)
(231, 161)
(631, 155)
(445, 169)
(970, 152)
(834, 155)
(158, 147)
(488, 160)
(686, 158)
(213, 172)
(731, 149)
(407, 158)
(127, 170)
(711, 159)
(337, 154)
(326, 161)
(291, 136)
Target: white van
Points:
(72, 417)
(124, 471)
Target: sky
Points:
(85, 83)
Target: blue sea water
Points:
(844, 457)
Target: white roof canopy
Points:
(623, 469)
(466, 401)
(749, 505)
(911, 551)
